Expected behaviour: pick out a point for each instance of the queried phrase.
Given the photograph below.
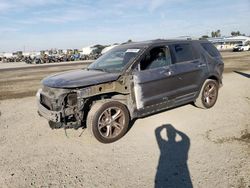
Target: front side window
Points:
(182, 52)
(157, 57)
(115, 60)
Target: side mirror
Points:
(143, 63)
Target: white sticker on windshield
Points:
(133, 50)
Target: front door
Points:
(154, 82)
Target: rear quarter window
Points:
(182, 52)
(211, 50)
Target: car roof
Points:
(149, 43)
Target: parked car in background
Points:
(131, 81)
(240, 48)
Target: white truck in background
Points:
(241, 47)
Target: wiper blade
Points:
(97, 69)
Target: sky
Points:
(44, 24)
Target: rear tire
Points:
(208, 94)
(108, 121)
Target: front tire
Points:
(208, 94)
(108, 121)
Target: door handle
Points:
(202, 65)
(169, 73)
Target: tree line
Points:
(217, 33)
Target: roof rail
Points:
(182, 38)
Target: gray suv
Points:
(130, 81)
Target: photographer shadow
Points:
(172, 170)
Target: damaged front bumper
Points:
(50, 115)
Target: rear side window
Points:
(182, 52)
(210, 48)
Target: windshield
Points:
(114, 60)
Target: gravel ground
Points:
(204, 148)
(182, 147)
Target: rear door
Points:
(189, 69)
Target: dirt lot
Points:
(19, 83)
(202, 148)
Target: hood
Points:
(79, 78)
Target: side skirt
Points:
(152, 109)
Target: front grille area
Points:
(45, 101)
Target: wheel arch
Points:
(96, 109)
(212, 77)
(199, 99)
(112, 96)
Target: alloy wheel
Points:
(210, 94)
(111, 122)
